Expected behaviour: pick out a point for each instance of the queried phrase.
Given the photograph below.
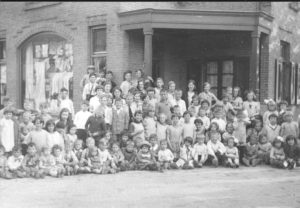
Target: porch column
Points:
(148, 33)
(254, 62)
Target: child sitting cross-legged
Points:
(71, 164)
(108, 165)
(129, 153)
(77, 149)
(117, 155)
(145, 159)
(264, 148)
(185, 160)
(31, 162)
(4, 173)
(231, 154)
(277, 155)
(59, 160)
(216, 150)
(94, 161)
(47, 163)
(165, 156)
(200, 151)
(83, 162)
(14, 163)
(251, 152)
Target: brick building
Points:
(47, 45)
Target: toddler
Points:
(129, 157)
(232, 154)
(59, 160)
(14, 163)
(200, 151)
(277, 155)
(47, 163)
(216, 150)
(165, 156)
(264, 148)
(117, 156)
(108, 165)
(145, 159)
(71, 164)
(4, 173)
(185, 160)
(251, 152)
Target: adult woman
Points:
(237, 101)
(207, 95)
(65, 117)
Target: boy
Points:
(85, 79)
(95, 126)
(163, 106)
(165, 156)
(271, 130)
(109, 78)
(14, 163)
(129, 157)
(204, 118)
(80, 120)
(95, 101)
(89, 88)
(65, 102)
(200, 153)
(120, 120)
(145, 159)
(219, 120)
(151, 95)
(251, 153)
(216, 150)
(179, 101)
(185, 160)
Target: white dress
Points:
(7, 135)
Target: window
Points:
(98, 47)
(3, 80)
(285, 51)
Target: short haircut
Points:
(38, 119)
(198, 121)
(64, 89)
(31, 144)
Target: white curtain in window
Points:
(30, 88)
(40, 95)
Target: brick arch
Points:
(58, 29)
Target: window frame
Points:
(3, 62)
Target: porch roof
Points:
(195, 19)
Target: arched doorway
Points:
(46, 67)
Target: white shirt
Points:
(200, 150)
(212, 148)
(89, 88)
(165, 155)
(14, 163)
(67, 103)
(95, 102)
(221, 123)
(81, 118)
(206, 121)
(182, 105)
(108, 115)
(55, 138)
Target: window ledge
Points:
(37, 5)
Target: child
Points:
(24, 133)
(237, 101)
(108, 111)
(199, 127)
(72, 137)
(271, 105)
(145, 160)
(180, 102)
(7, 131)
(219, 120)
(289, 127)
(152, 99)
(195, 103)
(120, 119)
(252, 107)
(117, 155)
(171, 93)
(264, 148)
(165, 156)
(292, 151)
(47, 163)
(89, 88)
(124, 139)
(163, 106)
(59, 160)
(85, 79)
(159, 87)
(204, 118)
(77, 149)
(232, 154)
(26, 121)
(251, 152)
(205, 104)
(94, 161)
(71, 164)
(200, 151)
(44, 108)
(129, 157)
(39, 136)
(185, 160)
(14, 163)
(108, 165)
(277, 155)
(281, 111)
(80, 120)
(191, 92)
(161, 127)
(30, 162)
(175, 136)
(150, 123)
(4, 173)
(126, 84)
(271, 130)
(229, 133)
(216, 150)
(226, 103)
(213, 129)
(65, 102)
(188, 126)
(154, 145)
(117, 94)
(83, 162)
(136, 128)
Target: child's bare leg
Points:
(246, 162)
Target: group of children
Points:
(139, 126)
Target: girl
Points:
(185, 160)
(107, 89)
(72, 137)
(200, 151)
(251, 152)
(59, 160)
(8, 134)
(240, 131)
(30, 163)
(165, 156)
(271, 105)
(71, 164)
(39, 136)
(66, 117)
(277, 155)
(14, 163)
(4, 173)
(188, 126)
(117, 94)
(204, 118)
(237, 101)
(77, 149)
(47, 162)
(83, 162)
(175, 135)
(219, 120)
(257, 129)
(126, 84)
(190, 93)
(271, 130)
(108, 164)
(136, 128)
(206, 106)
(199, 128)
(154, 145)
(145, 160)
(289, 127)
(171, 93)
(207, 95)
(161, 127)
(252, 107)
(159, 86)
(24, 133)
(117, 156)
(228, 134)
(213, 129)
(196, 103)
(141, 87)
(292, 151)
(232, 154)
(139, 75)
(163, 106)
(150, 123)
(264, 148)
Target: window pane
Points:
(212, 67)
(227, 67)
(99, 63)
(99, 40)
(227, 80)
(212, 80)
(2, 50)
(3, 80)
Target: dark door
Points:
(194, 72)
(241, 73)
